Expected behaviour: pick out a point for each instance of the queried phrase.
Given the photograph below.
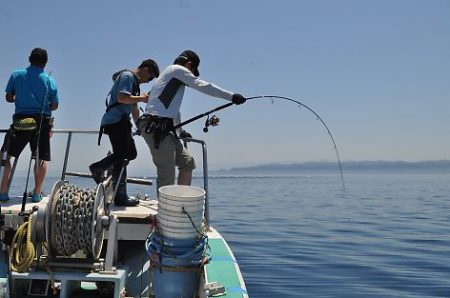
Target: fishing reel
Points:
(213, 121)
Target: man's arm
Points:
(53, 94)
(53, 106)
(184, 75)
(10, 90)
(131, 99)
(10, 97)
(135, 112)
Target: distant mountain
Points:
(427, 166)
(440, 165)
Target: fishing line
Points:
(319, 118)
(47, 86)
(283, 98)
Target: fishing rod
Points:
(214, 123)
(208, 122)
(25, 193)
(47, 86)
(37, 162)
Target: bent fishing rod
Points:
(203, 115)
(213, 121)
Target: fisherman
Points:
(123, 100)
(162, 114)
(35, 96)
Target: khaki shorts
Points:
(170, 153)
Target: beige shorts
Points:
(170, 153)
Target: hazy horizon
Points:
(304, 167)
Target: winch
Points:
(71, 227)
(75, 220)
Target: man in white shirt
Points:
(163, 109)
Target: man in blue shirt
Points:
(35, 96)
(123, 102)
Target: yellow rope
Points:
(22, 252)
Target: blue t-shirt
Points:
(34, 90)
(123, 84)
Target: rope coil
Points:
(23, 251)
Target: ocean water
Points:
(385, 235)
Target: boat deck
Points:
(134, 223)
(145, 210)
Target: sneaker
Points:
(36, 197)
(125, 201)
(4, 196)
(96, 174)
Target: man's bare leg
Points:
(184, 178)
(6, 173)
(39, 176)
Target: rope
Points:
(22, 252)
(192, 222)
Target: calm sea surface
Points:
(386, 235)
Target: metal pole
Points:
(4, 158)
(25, 192)
(122, 169)
(205, 181)
(13, 170)
(66, 158)
(205, 174)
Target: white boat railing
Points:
(205, 174)
(64, 172)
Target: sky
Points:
(377, 72)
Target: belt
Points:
(159, 127)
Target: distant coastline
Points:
(434, 166)
(306, 168)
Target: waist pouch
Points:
(158, 126)
(30, 122)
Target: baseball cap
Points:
(193, 57)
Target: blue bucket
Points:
(188, 244)
(176, 272)
(183, 245)
(175, 282)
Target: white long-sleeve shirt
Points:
(167, 93)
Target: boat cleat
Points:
(214, 289)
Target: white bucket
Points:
(173, 200)
(173, 225)
(177, 222)
(178, 209)
(183, 193)
(165, 201)
(177, 217)
(179, 233)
